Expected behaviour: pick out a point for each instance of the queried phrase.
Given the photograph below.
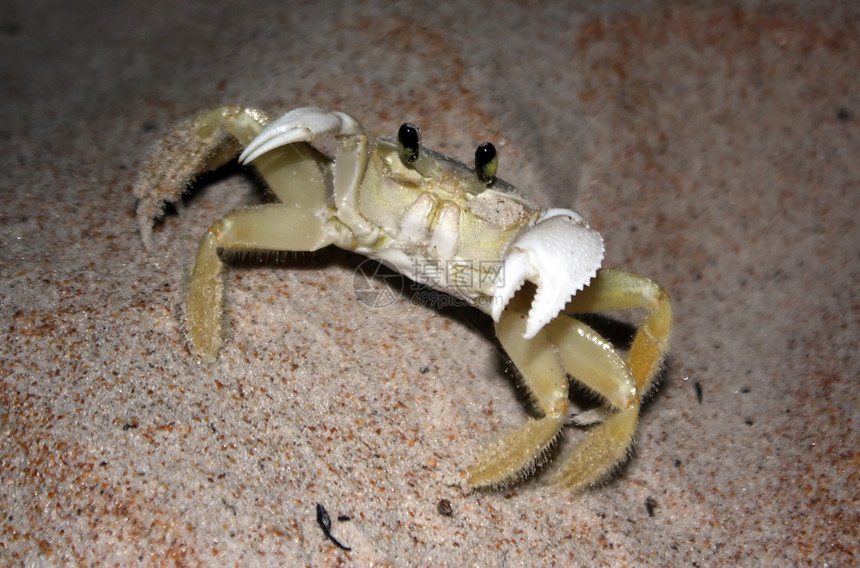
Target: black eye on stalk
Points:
(486, 162)
(408, 143)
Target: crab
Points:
(409, 207)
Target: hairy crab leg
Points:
(194, 146)
(517, 453)
(565, 347)
(273, 227)
(210, 140)
(619, 290)
(293, 172)
(588, 358)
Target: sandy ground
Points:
(714, 145)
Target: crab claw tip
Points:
(516, 271)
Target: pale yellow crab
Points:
(410, 207)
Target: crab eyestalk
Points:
(486, 162)
(408, 143)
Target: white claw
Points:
(300, 125)
(560, 254)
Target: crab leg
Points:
(274, 227)
(306, 125)
(589, 359)
(209, 141)
(567, 346)
(564, 347)
(619, 290)
(518, 452)
(293, 172)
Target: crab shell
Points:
(554, 249)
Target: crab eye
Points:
(486, 162)
(408, 142)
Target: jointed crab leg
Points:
(516, 453)
(194, 146)
(564, 347)
(568, 347)
(210, 140)
(608, 444)
(306, 124)
(590, 359)
(619, 290)
(294, 174)
(273, 227)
